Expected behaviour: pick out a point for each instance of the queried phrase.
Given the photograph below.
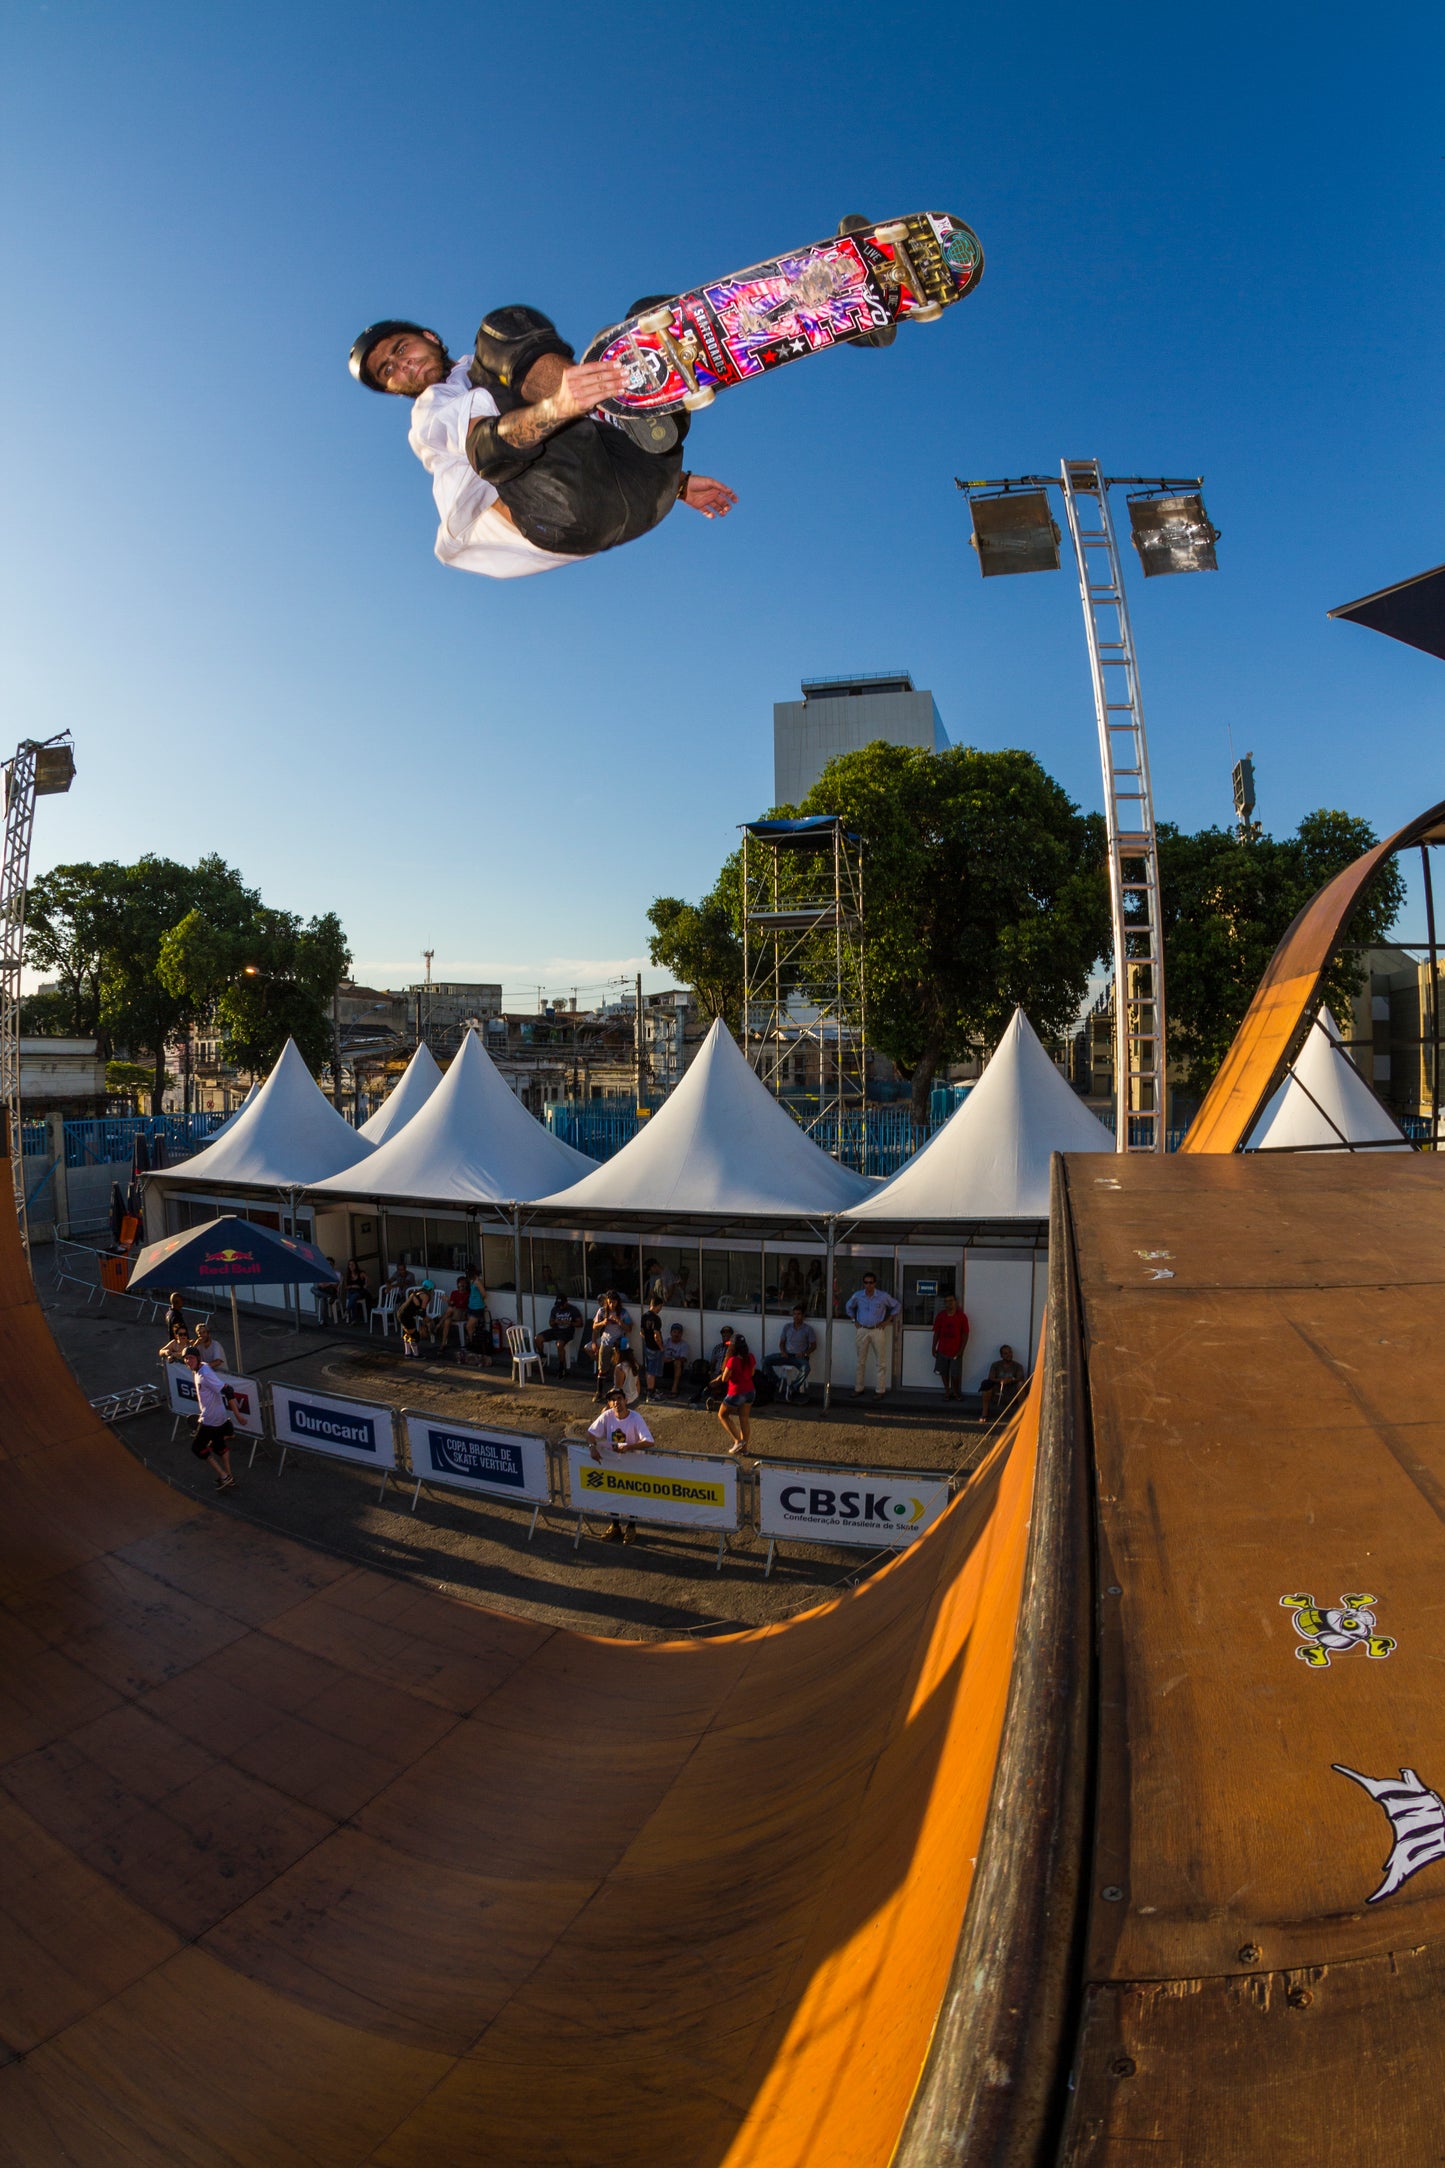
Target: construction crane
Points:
(39, 768)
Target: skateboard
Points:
(682, 353)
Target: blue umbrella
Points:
(229, 1252)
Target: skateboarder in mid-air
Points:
(524, 474)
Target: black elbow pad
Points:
(511, 340)
(490, 456)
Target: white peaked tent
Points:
(288, 1136)
(990, 1160)
(1324, 1102)
(408, 1096)
(719, 1146)
(472, 1143)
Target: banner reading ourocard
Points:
(838, 1505)
(244, 1407)
(654, 1487)
(350, 1429)
(505, 1463)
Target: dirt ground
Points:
(665, 1585)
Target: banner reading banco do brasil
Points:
(654, 1487)
(837, 1505)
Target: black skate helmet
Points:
(372, 336)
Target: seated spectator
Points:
(738, 1372)
(706, 1374)
(328, 1297)
(354, 1290)
(454, 1318)
(1001, 1386)
(652, 1346)
(411, 1318)
(209, 1347)
(676, 1354)
(797, 1345)
(950, 1338)
(563, 1324)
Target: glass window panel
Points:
(499, 1262)
(612, 1263)
(732, 1280)
(789, 1279)
(848, 1276)
(557, 1268)
(671, 1274)
(924, 1287)
(447, 1248)
(405, 1239)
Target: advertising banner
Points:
(245, 1408)
(654, 1487)
(504, 1463)
(351, 1429)
(838, 1505)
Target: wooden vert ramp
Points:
(303, 1866)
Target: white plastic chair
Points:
(519, 1341)
(382, 1314)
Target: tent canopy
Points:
(229, 1252)
(234, 1116)
(473, 1142)
(287, 1137)
(1412, 610)
(1324, 1104)
(720, 1146)
(407, 1097)
(990, 1160)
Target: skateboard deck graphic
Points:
(685, 351)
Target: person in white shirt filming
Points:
(618, 1429)
(526, 474)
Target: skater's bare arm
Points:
(581, 387)
(713, 499)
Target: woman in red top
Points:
(737, 1374)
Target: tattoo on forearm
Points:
(526, 426)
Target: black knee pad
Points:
(510, 340)
(490, 456)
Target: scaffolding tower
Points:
(804, 1013)
(38, 769)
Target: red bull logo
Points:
(234, 1264)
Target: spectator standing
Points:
(676, 1355)
(797, 1345)
(563, 1324)
(212, 1430)
(626, 1373)
(619, 1429)
(355, 1288)
(479, 1337)
(950, 1338)
(872, 1312)
(1001, 1386)
(210, 1348)
(176, 1315)
(652, 1346)
(739, 1371)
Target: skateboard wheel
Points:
(929, 313)
(703, 396)
(897, 232)
(654, 320)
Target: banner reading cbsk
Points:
(654, 1487)
(837, 1505)
(245, 1402)
(348, 1428)
(504, 1462)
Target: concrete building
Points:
(842, 715)
(61, 1076)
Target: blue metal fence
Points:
(105, 1141)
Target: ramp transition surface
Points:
(304, 1866)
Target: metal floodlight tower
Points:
(803, 984)
(1172, 533)
(38, 769)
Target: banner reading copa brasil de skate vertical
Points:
(351, 1429)
(837, 1505)
(505, 1463)
(654, 1487)
(244, 1407)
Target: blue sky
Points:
(1213, 247)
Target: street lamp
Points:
(1014, 531)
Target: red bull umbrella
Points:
(229, 1253)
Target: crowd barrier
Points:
(877, 1509)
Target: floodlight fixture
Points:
(1172, 533)
(54, 767)
(1244, 790)
(1014, 532)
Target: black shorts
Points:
(212, 1437)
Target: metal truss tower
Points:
(1139, 1040)
(37, 769)
(804, 1009)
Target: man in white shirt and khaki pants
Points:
(872, 1313)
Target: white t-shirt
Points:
(675, 1351)
(208, 1395)
(475, 535)
(634, 1430)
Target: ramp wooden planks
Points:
(1268, 1421)
(303, 1866)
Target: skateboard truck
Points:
(660, 322)
(925, 311)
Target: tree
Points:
(984, 888)
(73, 920)
(1226, 905)
(264, 979)
(141, 1007)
